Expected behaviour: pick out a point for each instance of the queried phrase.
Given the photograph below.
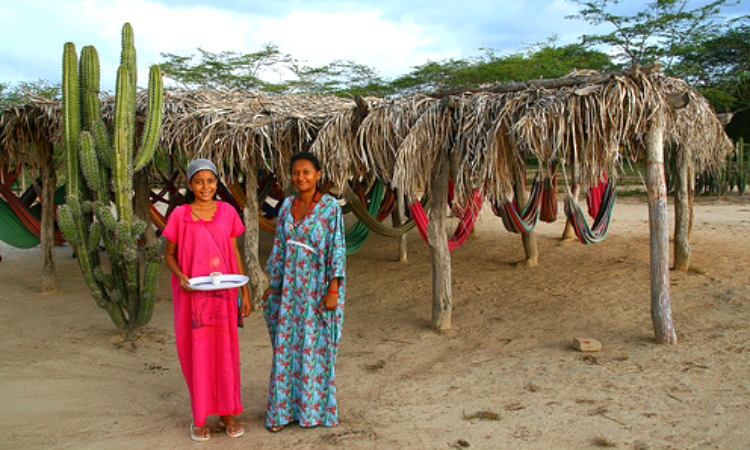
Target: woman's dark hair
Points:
(306, 156)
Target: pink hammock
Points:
(468, 219)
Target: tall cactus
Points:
(100, 172)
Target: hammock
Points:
(26, 216)
(594, 195)
(548, 212)
(12, 229)
(357, 234)
(525, 221)
(237, 192)
(465, 225)
(598, 230)
(355, 205)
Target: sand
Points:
(505, 376)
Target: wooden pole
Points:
(47, 196)
(569, 233)
(442, 296)
(661, 310)
(397, 219)
(682, 212)
(258, 278)
(528, 239)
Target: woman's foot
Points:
(200, 433)
(231, 426)
(276, 428)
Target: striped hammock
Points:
(598, 230)
(524, 221)
(465, 225)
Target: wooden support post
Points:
(442, 295)
(258, 278)
(569, 233)
(398, 219)
(661, 310)
(682, 211)
(47, 196)
(528, 239)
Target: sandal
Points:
(236, 433)
(198, 437)
(276, 429)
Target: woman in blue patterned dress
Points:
(304, 305)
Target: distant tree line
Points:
(698, 45)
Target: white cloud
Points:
(362, 36)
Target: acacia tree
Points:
(14, 94)
(663, 31)
(540, 60)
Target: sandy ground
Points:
(505, 376)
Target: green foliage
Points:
(735, 175)
(347, 78)
(15, 94)
(698, 44)
(719, 67)
(127, 291)
(225, 69)
(662, 31)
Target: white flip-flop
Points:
(197, 437)
(236, 434)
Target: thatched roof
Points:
(487, 133)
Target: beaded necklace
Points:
(313, 201)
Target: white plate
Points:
(226, 281)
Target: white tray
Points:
(226, 281)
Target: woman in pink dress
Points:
(202, 238)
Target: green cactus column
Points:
(99, 208)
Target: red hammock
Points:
(548, 211)
(468, 219)
(594, 195)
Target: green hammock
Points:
(358, 233)
(13, 231)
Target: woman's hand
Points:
(185, 283)
(245, 307)
(330, 300)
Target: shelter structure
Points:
(477, 139)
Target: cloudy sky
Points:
(392, 36)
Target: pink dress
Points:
(205, 322)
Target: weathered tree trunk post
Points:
(47, 196)
(258, 278)
(661, 310)
(528, 239)
(397, 219)
(569, 233)
(682, 211)
(442, 296)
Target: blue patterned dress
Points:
(306, 257)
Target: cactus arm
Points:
(127, 55)
(148, 293)
(103, 143)
(71, 116)
(90, 165)
(152, 129)
(122, 144)
(89, 70)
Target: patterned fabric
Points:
(305, 258)
(205, 322)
